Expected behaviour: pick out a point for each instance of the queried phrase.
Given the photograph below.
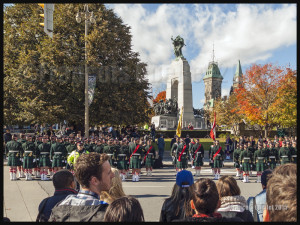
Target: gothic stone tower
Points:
(237, 78)
(212, 81)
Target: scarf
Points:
(235, 203)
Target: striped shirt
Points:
(83, 198)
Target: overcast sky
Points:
(251, 33)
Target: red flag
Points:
(213, 129)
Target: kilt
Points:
(183, 163)
(198, 161)
(260, 166)
(110, 160)
(237, 164)
(121, 162)
(28, 162)
(45, 161)
(149, 161)
(13, 161)
(218, 163)
(57, 161)
(135, 162)
(246, 166)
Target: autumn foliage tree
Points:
(160, 96)
(258, 95)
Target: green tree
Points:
(44, 77)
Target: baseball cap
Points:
(264, 175)
(184, 176)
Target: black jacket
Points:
(58, 196)
(245, 215)
(209, 219)
(167, 213)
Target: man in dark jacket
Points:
(7, 136)
(64, 184)
(94, 174)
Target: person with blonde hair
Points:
(116, 191)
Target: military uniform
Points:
(218, 160)
(293, 155)
(150, 157)
(246, 159)
(109, 150)
(197, 157)
(28, 157)
(136, 158)
(98, 148)
(182, 161)
(284, 155)
(58, 154)
(260, 157)
(44, 154)
(13, 151)
(173, 153)
(236, 157)
(273, 158)
(122, 157)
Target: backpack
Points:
(41, 217)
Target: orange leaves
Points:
(161, 96)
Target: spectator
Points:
(161, 146)
(124, 209)
(260, 199)
(178, 206)
(282, 195)
(94, 174)
(116, 190)
(153, 132)
(7, 136)
(232, 203)
(64, 184)
(205, 201)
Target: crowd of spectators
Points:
(102, 198)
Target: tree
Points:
(44, 77)
(258, 93)
(160, 96)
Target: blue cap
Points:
(184, 176)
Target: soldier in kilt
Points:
(294, 152)
(211, 162)
(260, 157)
(122, 159)
(246, 159)
(173, 153)
(29, 152)
(197, 153)
(252, 150)
(44, 161)
(135, 159)
(58, 155)
(284, 154)
(191, 144)
(98, 147)
(36, 168)
(236, 158)
(20, 167)
(109, 150)
(13, 150)
(116, 150)
(149, 157)
(182, 154)
(217, 155)
(272, 158)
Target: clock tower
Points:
(237, 76)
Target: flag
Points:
(178, 131)
(213, 129)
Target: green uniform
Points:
(116, 150)
(122, 157)
(13, 151)
(150, 157)
(218, 160)
(260, 158)
(294, 155)
(197, 155)
(44, 154)
(236, 157)
(284, 155)
(246, 159)
(136, 158)
(99, 148)
(211, 162)
(29, 152)
(273, 158)
(182, 164)
(58, 154)
(109, 150)
(37, 153)
(173, 152)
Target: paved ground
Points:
(21, 198)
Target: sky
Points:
(251, 33)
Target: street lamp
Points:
(88, 18)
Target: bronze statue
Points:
(178, 43)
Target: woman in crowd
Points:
(116, 190)
(177, 206)
(232, 203)
(124, 209)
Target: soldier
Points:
(246, 159)
(37, 168)
(99, 147)
(149, 157)
(182, 154)
(197, 153)
(20, 167)
(44, 157)
(29, 151)
(122, 159)
(13, 150)
(116, 150)
(173, 153)
(294, 152)
(92, 145)
(135, 159)
(190, 145)
(217, 156)
(58, 155)
(52, 141)
(252, 150)
(237, 162)
(284, 154)
(109, 150)
(273, 156)
(260, 157)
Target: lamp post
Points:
(88, 18)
